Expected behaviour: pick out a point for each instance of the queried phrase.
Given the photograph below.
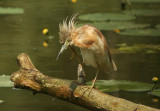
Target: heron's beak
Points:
(64, 47)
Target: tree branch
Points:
(30, 78)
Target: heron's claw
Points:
(86, 88)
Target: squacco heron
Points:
(93, 46)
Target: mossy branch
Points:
(30, 78)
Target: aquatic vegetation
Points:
(106, 16)
(45, 31)
(155, 99)
(158, 26)
(138, 48)
(73, 1)
(143, 12)
(155, 92)
(9, 10)
(141, 32)
(5, 81)
(145, 1)
(121, 85)
(45, 44)
(155, 79)
(115, 25)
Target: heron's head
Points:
(65, 33)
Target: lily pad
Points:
(122, 45)
(158, 26)
(136, 48)
(121, 85)
(144, 12)
(141, 32)
(141, 48)
(115, 25)
(106, 16)
(5, 81)
(9, 10)
(130, 49)
(155, 92)
(145, 1)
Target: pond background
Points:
(23, 33)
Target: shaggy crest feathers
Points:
(65, 29)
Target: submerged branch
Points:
(30, 78)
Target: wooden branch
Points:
(30, 78)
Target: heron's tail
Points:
(114, 65)
(109, 63)
(109, 66)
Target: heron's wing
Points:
(106, 48)
(88, 37)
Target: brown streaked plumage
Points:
(92, 43)
(66, 29)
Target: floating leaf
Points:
(1, 101)
(138, 48)
(9, 10)
(158, 26)
(115, 25)
(106, 16)
(144, 12)
(145, 1)
(155, 92)
(121, 45)
(117, 85)
(141, 32)
(5, 81)
(130, 49)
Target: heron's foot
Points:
(88, 88)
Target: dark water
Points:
(23, 33)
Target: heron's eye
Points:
(68, 40)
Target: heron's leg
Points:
(73, 54)
(94, 81)
(91, 87)
(81, 71)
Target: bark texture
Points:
(30, 78)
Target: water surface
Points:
(23, 33)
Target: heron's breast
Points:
(88, 57)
